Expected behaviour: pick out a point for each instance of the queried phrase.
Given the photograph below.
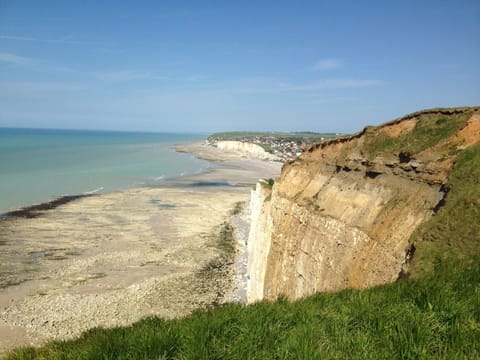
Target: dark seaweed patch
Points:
(34, 211)
(161, 205)
(211, 183)
(50, 254)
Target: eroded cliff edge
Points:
(343, 214)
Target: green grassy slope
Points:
(454, 232)
(432, 317)
(430, 129)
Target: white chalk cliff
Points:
(246, 149)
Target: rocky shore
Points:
(112, 259)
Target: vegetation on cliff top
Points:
(430, 129)
(286, 136)
(435, 314)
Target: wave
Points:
(93, 191)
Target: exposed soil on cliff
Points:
(344, 213)
(396, 129)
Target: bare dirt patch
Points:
(401, 127)
(470, 134)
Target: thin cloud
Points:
(20, 38)
(39, 87)
(129, 75)
(120, 76)
(329, 84)
(14, 59)
(334, 84)
(196, 78)
(66, 40)
(328, 64)
(331, 100)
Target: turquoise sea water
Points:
(40, 165)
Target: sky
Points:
(205, 66)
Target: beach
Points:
(112, 259)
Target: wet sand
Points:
(112, 259)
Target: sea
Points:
(39, 165)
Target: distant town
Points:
(285, 145)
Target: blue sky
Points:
(203, 66)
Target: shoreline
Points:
(111, 259)
(32, 209)
(214, 156)
(56, 165)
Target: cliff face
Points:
(246, 148)
(342, 214)
(258, 246)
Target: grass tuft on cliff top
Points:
(430, 129)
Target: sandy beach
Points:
(112, 259)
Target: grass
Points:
(432, 317)
(430, 129)
(226, 242)
(267, 147)
(223, 240)
(237, 209)
(267, 183)
(454, 232)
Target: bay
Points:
(38, 165)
